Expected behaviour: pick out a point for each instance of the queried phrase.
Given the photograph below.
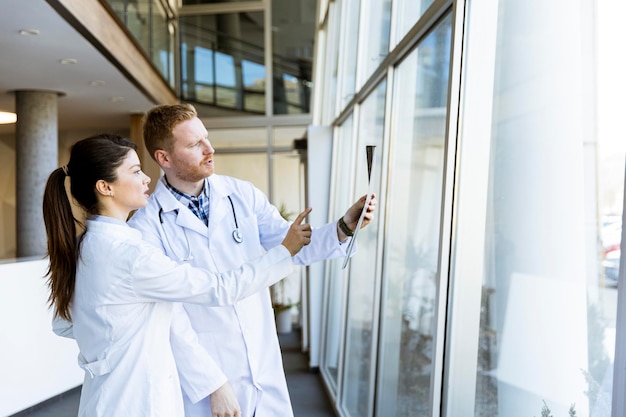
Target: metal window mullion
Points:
(333, 206)
(220, 8)
(381, 212)
(447, 202)
(426, 22)
(269, 64)
(270, 166)
(471, 187)
(319, 49)
(341, 32)
(345, 328)
(619, 366)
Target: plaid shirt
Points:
(198, 205)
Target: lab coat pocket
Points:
(96, 368)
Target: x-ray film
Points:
(369, 151)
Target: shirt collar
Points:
(185, 198)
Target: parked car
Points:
(611, 267)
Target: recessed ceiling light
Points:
(97, 83)
(66, 61)
(117, 99)
(7, 117)
(28, 32)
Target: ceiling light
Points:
(28, 32)
(117, 99)
(66, 61)
(7, 117)
(97, 83)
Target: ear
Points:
(103, 188)
(162, 158)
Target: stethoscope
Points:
(237, 236)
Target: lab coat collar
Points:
(184, 217)
(119, 230)
(218, 209)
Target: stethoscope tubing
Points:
(237, 236)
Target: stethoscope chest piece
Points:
(236, 233)
(237, 236)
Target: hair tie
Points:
(65, 170)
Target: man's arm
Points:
(200, 376)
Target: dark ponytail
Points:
(92, 159)
(61, 231)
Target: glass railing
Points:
(147, 21)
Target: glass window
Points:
(349, 36)
(147, 21)
(162, 46)
(374, 33)
(222, 60)
(190, 2)
(293, 36)
(406, 15)
(330, 67)
(336, 285)
(548, 311)
(414, 212)
(254, 86)
(360, 339)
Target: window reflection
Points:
(359, 364)
(336, 292)
(147, 21)
(411, 255)
(349, 48)
(189, 2)
(375, 32)
(293, 36)
(222, 60)
(407, 12)
(547, 329)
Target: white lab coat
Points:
(241, 339)
(124, 296)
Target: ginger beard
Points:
(192, 172)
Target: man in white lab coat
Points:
(218, 222)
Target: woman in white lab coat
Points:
(118, 292)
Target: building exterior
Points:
(487, 284)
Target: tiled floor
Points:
(308, 395)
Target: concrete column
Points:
(37, 154)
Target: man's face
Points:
(191, 156)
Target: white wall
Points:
(35, 364)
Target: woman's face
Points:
(130, 190)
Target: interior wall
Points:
(36, 364)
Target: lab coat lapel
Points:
(219, 209)
(188, 220)
(185, 217)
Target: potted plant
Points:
(282, 307)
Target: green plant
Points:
(546, 412)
